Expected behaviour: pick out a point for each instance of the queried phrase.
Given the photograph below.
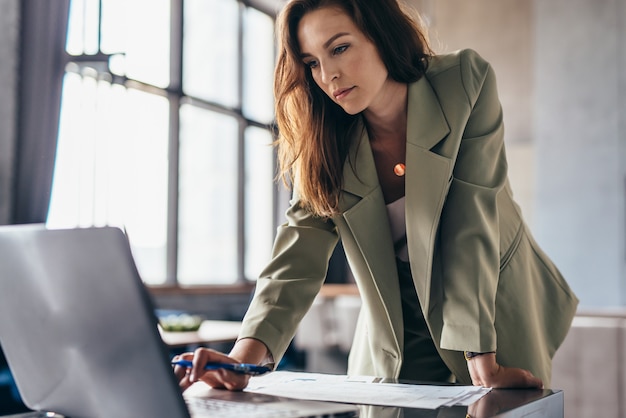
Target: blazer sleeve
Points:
(286, 288)
(469, 240)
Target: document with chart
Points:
(364, 390)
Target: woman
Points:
(400, 154)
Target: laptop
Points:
(79, 332)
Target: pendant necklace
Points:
(399, 169)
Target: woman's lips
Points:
(341, 93)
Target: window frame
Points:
(176, 98)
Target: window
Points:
(165, 132)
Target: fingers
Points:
(182, 373)
(528, 380)
(219, 378)
(225, 379)
(513, 378)
(201, 357)
(486, 372)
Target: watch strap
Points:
(471, 354)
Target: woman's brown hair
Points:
(314, 132)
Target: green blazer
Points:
(482, 281)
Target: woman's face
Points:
(344, 63)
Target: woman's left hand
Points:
(485, 371)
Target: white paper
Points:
(365, 390)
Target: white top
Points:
(397, 221)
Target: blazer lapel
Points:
(428, 178)
(365, 214)
(359, 172)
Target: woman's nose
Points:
(329, 73)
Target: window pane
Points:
(258, 66)
(259, 199)
(82, 30)
(210, 50)
(140, 29)
(114, 26)
(207, 241)
(146, 180)
(114, 173)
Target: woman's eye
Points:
(311, 64)
(340, 49)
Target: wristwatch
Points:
(470, 354)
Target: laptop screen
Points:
(78, 328)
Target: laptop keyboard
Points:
(207, 407)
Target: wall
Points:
(579, 126)
(593, 348)
(9, 31)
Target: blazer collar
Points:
(426, 126)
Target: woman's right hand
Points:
(219, 378)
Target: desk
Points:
(499, 403)
(333, 290)
(508, 403)
(210, 332)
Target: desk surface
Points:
(508, 403)
(499, 403)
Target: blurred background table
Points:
(210, 332)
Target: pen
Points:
(251, 369)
